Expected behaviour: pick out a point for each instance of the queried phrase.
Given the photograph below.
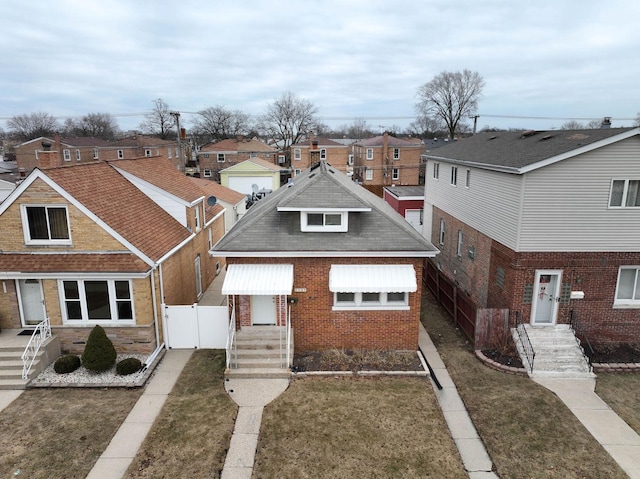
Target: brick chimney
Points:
(311, 139)
(46, 157)
(239, 138)
(385, 145)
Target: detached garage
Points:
(244, 175)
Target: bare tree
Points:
(33, 125)
(637, 121)
(425, 126)
(572, 125)
(159, 122)
(287, 119)
(218, 123)
(96, 125)
(450, 96)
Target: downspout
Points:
(159, 347)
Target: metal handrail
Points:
(41, 333)
(231, 346)
(574, 324)
(527, 347)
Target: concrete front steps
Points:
(258, 353)
(558, 353)
(11, 360)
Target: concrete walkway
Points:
(115, 460)
(615, 435)
(474, 456)
(7, 396)
(252, 395)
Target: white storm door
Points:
(547, 296)
(263, 310)
(31, 301)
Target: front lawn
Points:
(621, 391)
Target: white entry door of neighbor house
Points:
(547, 296)
(413, 217)
(263, 309)
(31, 301)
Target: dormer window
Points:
(324, 221)
(46, 224)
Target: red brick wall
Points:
(317, 327)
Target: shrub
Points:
(128, 366)
(67, 364)
(99, 353)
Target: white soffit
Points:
(391, 278)
(257, 279)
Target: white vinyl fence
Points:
(196, 327)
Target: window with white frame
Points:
(177, 152)
(197, 216)
(368, 174)
(207, 173)
(628, 287)
(281, 159)
(624, 194)
(95, 153)
(459, 245)
(324, 221)
(67, 155)
(297, 171)
(467, 181)
(297, 154)
(369, 153)
(373, 300)
(78, 155)
(169, 153)
(350, 160)
(120, 154)
(323, 154)
(45, 224)
(94, 300)
(454, 175)
(147, 152)
(253, 154)
(220, 157)
(210, 237)
(436, 171)
(198, 276)
(442, 230)
(396, 153)
(396, 174)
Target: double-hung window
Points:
(442, 230)
(147, 152)
(45, 224)
(78, 155)
(396, 153)
(220, 157)
(396, 174)
(454, 175)
(95, 153)
(369, 153)
(297, 154)
(368, 174)
(323, 154)
(628, 288)
(120, 154)
(625, 194)
(96, 300)
(436, 171)
(67, 155)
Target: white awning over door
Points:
(365, 278)
(258, 279)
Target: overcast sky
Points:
(352, 59)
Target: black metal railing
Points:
(581, 337)
(527, 347)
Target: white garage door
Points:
(243, 184)
(413, 217)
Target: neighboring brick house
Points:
(525, 219)
(344, 264)
(214, 157)
(386, 160)
(106, 243)
(408, 201)
(86, 149)
(311, 151)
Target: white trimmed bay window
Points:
(628, 288)
(95, 300)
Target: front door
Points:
(31, 301)
(263, 309)
(547, 296)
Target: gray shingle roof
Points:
(516, 150)
(264, 229)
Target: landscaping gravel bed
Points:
(83, 376)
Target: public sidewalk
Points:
(615, 435)
(115, 460)
(474, 456)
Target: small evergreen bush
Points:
(66, 364)
(99, 353)
(128, 366)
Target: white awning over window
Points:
(258, 279)
(365, 278)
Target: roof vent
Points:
(492, 137)
(212, 200)
(528, 133)
(546, 137)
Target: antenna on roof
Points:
(255, 188)
(212, 200)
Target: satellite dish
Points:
(212, 200)
(255, 188)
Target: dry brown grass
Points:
(60, 432)
(527, 430)
(356, 427)
(621, 391)
(191, 435)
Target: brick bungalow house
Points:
(386, 160)
(311, 151)
(107, 242)
(214, 157)
(332, 259)
(543, 223)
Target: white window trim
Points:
(467, 181)
(169, 154)
(198, 219)
(120, 154)
(442, 232)
(396, 153)
(368, 174)
(207, 173)
(297, 154)
(67, 155)
(221, 155)
(210, 237)
(382, 304)
(369, 153)
(323, 153)
(96, 153)
(83, 303)
(78, 155)
(198, 271)
(350, 160)
(27, 233)
(459, 245)
(626, 303)
(625, 192)
(147, 152)
(297, 171)
(341, 228)
(454, 176)
(395, 175)
(436, 171)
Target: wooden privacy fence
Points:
(492, 328)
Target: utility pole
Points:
(475, 122)
(176, 116)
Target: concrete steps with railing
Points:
(11, 364)
(558, 353)
(260, 353)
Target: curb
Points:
(616, 367)
(500, 367)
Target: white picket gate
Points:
(196, 327)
